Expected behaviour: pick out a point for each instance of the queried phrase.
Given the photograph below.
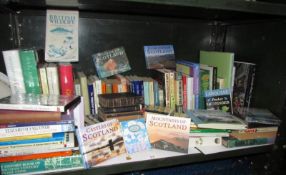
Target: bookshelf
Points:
(253, 30)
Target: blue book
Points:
(135, 135)
(56, 137)
(91, 97)
(156, 93)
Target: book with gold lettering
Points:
(168, 132)
(100, 142)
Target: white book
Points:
(44, 79)
(37, 129)
(61, 36)
(14, 71)
(190, 93)
(53, 79)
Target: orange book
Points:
(35, 156)
(21, 116)
(115, 87)
(103, 87)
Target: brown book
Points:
(117, 114)
(21, 116)
(252, 135)
(119, 100)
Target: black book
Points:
(119, 100)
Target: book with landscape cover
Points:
(38, 102)
(111, 62)
(159, 56)
(61, 36)
(224, 61)
(100, 142)
(218, 99)
(216, 119)
(120, 100)
(135, 135)
(167, 132)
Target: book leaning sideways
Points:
(100, 142)
(61, 36)
(38, 102)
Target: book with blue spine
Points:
(90, 89)
(135, 135)
(218, 99)
(61, 36)
(159, 56)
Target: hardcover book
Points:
(61, 36)
(135, 135)
(111, 62)
(216, 119)
(218, 99)
(159, 56)
(120, 100)
(100, 142)
(38, 102)
(168, 133)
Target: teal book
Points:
(224, 61)
(30, 71)
(41, 166)
(135, 135)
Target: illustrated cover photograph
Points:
(100, 142)
(135, 135)
(111, 62)
(61, 36)
(160, 56)
(168, 133)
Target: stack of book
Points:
(123, 106)
(37, 129)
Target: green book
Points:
(223, 61)
(42, 165)
(232, 142)
(30, 71)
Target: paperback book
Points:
(160, 56)
(218, 99)
(120, 100)
(111, 62)
(135, 135)
(100, 142)
(61, 36)
(167, 132)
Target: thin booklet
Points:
(61, 36)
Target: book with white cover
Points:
(61, 36)
(14, 71)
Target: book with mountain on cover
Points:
(216, 119)
(168, 133)
(61, 36)
(224, 62)
(38, 102)
(160, 56)
(218, 99)
(135, 135)
(55, 164)
(100, 142)
(120, 99)
(111, 62)
(243, 85)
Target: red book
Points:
(66, 79)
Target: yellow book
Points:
(26, 137)
(84, 92)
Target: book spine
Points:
(215, 78)
(44, 80)
(230, 143)
(190, 93)
(36, 136)
(53, 79)
(249, 88)
(84, 91)
(146, 93)
(167, 89)
(42, 165)
(156, 93)
(66, 79)
(204, 141)
(14, 71)
(185, 96)
(151, 93)
(91, 98)
(31, 130)
(30, 72)
(120, 109)
(179, 93)
(172, 91)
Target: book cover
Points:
(54, 164)
(111, 62)
(243, 85)
(100, 142)
(38, 102)
(224, 62)
(159, 56)
(30, 71)
(120, 100)
(135, 135)
(66, 79)
(61, 36)
(216, 119)
(14, 71)
(168, 133)
(218, 99)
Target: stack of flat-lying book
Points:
(123, 106)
